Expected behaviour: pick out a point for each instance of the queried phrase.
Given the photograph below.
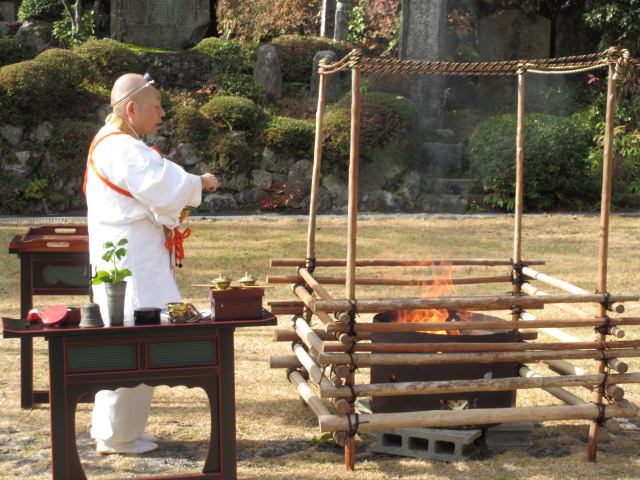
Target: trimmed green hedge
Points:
(556, 169)
(233, 113)
(288, 135)
(110, 58)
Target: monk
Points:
(133, 192)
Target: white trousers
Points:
(119, 417)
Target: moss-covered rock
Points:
(110, 58)
(233, 113)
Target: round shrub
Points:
(187, 125)
(230, 156)
(110, 58)
(555, 165)
(11, 51)
(40, 10)
(237, 84)
(296, 55)
(233, 113)
(234, 57)
(288, 135)
(384, 118)
(70, 69)
(26, 92)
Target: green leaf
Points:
(107, 256)
(108, 245)
(123, 241)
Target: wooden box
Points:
(236, 303)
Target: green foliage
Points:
(40, 10)
(233, 113)
(110, 58)
(113, 252)
(43, 88)
(234, 57)
(12, 51)
(288, 135)
(296, 55)
(384, 118)
(375, 25)
(556, 171)
(259, 21)
(188, 124)
(230, 156)
(237, 84)
(618, 21)
(625, 163)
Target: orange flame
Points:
(439, 286)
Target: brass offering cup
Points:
(221, 283)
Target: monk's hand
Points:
(209, 182)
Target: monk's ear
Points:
(130, 108)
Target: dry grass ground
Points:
(269, 413)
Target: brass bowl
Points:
(247, 281)
(221, 283)
(178, 308)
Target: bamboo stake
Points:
(320, 291)
(450, 418)
(314, 403)
(329, 390)
(479, 325)
(565, 337)
(315, 177)
(284, 361)
(337, 262)
(565, 368)
(388, 347)
(461, 303)
(517, 233)
(284, 335)
(389, 281)
(531, 290)
(605, 203)
(310, 302)
(316, 374)
(308, 336)
(366, 360)
(566, 286)
(611, 424)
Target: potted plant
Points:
(113, 280)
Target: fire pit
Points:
(428, 373)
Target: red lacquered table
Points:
(83, 361)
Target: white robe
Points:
(161, 189)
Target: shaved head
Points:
(125, 86)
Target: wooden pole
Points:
(605, 207)
(354, 166)
(368, 359)
(336, 262)
(284, 335)
(329, 390)
(517, 233)
(479, 325)
(462, 303)
(315, 178)
(479, 416)
(384, 347)
(389, 281)
(565, 368)
(566, 286)
(611, 424)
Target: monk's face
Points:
(147, 113)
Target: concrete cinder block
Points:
(430, 443)
(509, 436)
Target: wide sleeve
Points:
(163, 186)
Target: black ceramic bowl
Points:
(146, 316)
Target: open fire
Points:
(442, 285)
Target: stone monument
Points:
(328, 18)
(423, 38)
(267, 71)
(8, 10)
(332, 92)
(342, 21)
(164, 24)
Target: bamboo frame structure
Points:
(345, 344)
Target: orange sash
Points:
(94, 144)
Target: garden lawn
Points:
(279, 438)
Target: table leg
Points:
(227, 405)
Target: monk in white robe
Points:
(134, 193)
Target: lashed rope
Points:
(625, 65)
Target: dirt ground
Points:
(277, 436)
